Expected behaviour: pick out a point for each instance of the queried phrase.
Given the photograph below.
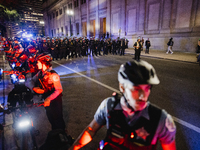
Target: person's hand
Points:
(47, 102)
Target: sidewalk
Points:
(161, 54)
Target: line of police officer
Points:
(65, 48)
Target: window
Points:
(77, 3)
(53, 15)
(70, 6)
(77, 28)
(50, 17)
(56, 13)
(60, 11)
(74, 4)
(83, 1)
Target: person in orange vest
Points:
(47, 82)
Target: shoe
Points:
(166, 52)
(172, 52)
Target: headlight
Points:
(13, 76)
(21, 80)
(24, 123)
(13, 65)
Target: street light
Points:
(70, 14)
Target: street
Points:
(89, 80)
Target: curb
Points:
(157, 57)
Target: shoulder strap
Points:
(154, 114)
(112, 102)
(53, 71)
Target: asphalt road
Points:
(87, 81)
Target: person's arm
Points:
(86, 136)
(135, 45)
(171, 146)
(58, 89)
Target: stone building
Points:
(157, 20)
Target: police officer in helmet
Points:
(133, 123)
(47, 82)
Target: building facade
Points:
(158, 20)
(31, 21)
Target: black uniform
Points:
(98, 47)
(137, 50)
(53, 50)
(92, 46)
(84, 48)
(54, 111)
(62, 49)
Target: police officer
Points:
(123, 46)
(92, 46)
(118, 45)
(57, 49)
(66, 49)
(53, 49)
(87, 43)
(98, 47)
(49, 46)
(114, 47)
(138, 48)
(71, 48)
(77, 48)
(47, 83)
(84, 48)
(44, 48)
(105, 47)
(132, 122)
(109, 45)
(38, 45)
(62, 49)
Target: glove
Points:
(47, 102)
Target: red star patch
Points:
(142, 133)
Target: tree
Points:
(8, 17)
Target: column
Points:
(97, 21)
(108, 17)
(80, 22)
(73, 20)
(123, 18)
(88, 19)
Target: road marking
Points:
(184, 123)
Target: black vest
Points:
(48, 88)
(122, 136)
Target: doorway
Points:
(102, 27)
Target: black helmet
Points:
(137, 72)
(45, 59)
(31, 49)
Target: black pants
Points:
(137, 54)
(122, 51)
(55, 115)
(147, 50)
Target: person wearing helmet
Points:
(138, 49)
(47, 83)
(133, 123)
